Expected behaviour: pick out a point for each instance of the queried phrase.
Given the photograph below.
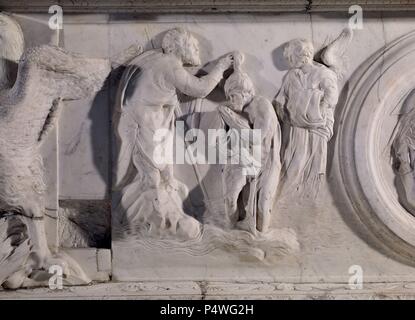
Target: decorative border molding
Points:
(203, 6)
(219, 290)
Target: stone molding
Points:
(203, 6)
(219, 290)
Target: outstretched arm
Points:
(124, 57)
(200, 87)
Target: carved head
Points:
(181, 43)
(11, 49)
(299, 52)
(239, 90)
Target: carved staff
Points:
(178, 113)
(251, 207)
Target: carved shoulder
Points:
(265, 107)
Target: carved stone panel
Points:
(376, 144)
(207, 153)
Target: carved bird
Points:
(14, 247)
(33, 84)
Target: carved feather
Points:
(334, 55)
(73, 75)
(46, 74)
(14, 246)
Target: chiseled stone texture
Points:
(331, 235)
(192, 6)
(205, 290)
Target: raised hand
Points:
(226, 62)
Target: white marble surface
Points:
(331, 235)
(205, 290)
(330, 238)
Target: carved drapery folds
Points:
(151, 197)
(157, 93)
(305, 105)
(150, 200)
(403, 151)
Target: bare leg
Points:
(231, 203)
(264, 217)
(266, 198)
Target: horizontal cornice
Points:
(201, 6)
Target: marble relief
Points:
(255, 179)
(151, 200)
(34, 82)
(305, 105)
(403, 149)
(263, 151)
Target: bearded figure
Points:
(150, 197)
